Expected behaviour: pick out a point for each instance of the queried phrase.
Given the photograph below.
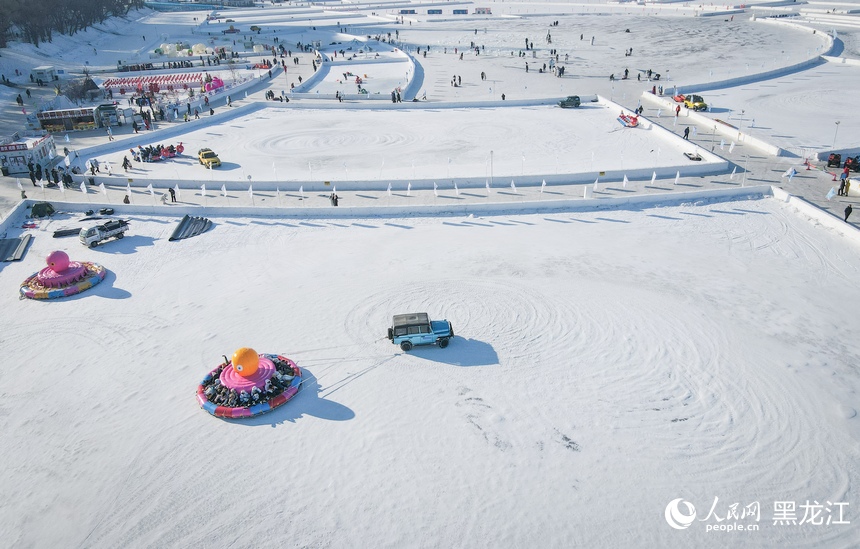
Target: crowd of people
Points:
(134, 67)
(844, 182)
(220, 395)
(51, 177)
(154, 153)
(270, 96)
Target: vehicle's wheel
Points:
(406, 346)
(120, 235)
(93, 244)
(443, 342)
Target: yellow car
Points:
(695, 102)
(208, 158)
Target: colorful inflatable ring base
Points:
(257, 409)
(33, 289)
(628, 121)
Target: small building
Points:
(45, 73)
(16, 152)
(84, 118)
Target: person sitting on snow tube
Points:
(284, 379)
(276, 383)
(244, 398)
(255, 394)
(233, 399)
(270, 388)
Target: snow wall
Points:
(18, 215)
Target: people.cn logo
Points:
(676, 518)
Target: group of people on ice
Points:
(844, 182)
(36, 174)
(220, 395)
(648, 74)
(156, 153)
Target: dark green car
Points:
(569, 102)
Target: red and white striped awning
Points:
(162, 80)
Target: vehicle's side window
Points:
(425, 329)
(399, 331)
(413, 330)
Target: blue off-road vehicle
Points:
(417, 329)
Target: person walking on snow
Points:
(687, 133)
(848, 210)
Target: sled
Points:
(628, 120)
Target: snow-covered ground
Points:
(608, 360)
(685, 50)
(287, 147)
(605, 364)
(780, 111)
